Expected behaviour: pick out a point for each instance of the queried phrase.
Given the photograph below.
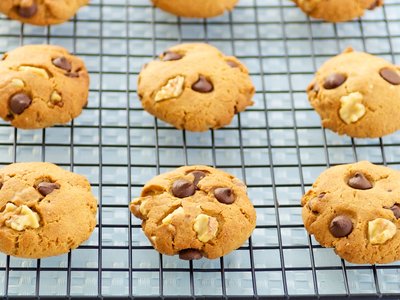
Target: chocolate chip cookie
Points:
(44, 210)
(195, 87)
(42, 85)
(196, 212)
(195, 8)
(337, 10)
(41, 12)
(355, 209)
(357, 94)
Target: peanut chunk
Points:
(206, 227)
(172, 89)
(18, 83)
(20, 217)
(380, 230)
(38, 71)
(352, 109)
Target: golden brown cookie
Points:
(357, 94)
(195, 87)
(44, 210)
(42, 85)
(355, 209)
(337, 10)
(195, 211)
(196, 8)
(41, 12)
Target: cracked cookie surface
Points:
(41, 86)
(337, 10)
(357, 94)
(195, 8)
(195, 87)
(195, 211)
(41, 12)
(355, 208)
(44, 210)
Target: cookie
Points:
(44, 210)
(337, 10)
(355, 209)
(195, 212)
(195, 8)
(357, 94)
(195, 87)
(42, 85)
(41, 12)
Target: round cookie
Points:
(41, 12)
(42, 85)
(44, 210)
(195, 211)
(195, 87)
(357, 94)
(196, 8)
(355, 209)
(337, 10)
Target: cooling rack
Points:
(277, 147)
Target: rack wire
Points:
(277, 147)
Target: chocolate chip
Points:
(183, 188)
(334, 80)
(341, 226)
(27, 11)
(190, 254)
(232, 64)
(224, 195)
(19, 102)
(62, 63)
(72, 75)
(359, 181)
(202, 85)
(374, 5)
(169, 55)
(198, 175)
(396, 210)
(390, 76)
(46, 188)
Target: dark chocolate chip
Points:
(198, 175)
(183, 188)
(190, 254)
(46, 188)
(62, 63)
(72, 75)
(359, 181)
(396, 210)
(334, 80)
(390, 76)
(27, 11)
(9, 117)
(232, 64)
(19, 102)
(341, 226)
(202, 85)
(169, 55)
(224, 195)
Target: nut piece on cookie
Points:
(195, 212)
(196, 8)
(195, 87)
(41, 13)
(358, 214)
(337, 10)
(41, 86)
(44, 210)
(357, 94)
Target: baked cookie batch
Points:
(197, 211)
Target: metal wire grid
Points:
(277, 147)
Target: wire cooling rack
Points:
(277, 147)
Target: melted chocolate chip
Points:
(396, 210)
(190, 254)
(359, 181)
(390, 76)
(46, 188)
(341, 226)
(27, 11)
(169, 55)
(232, 64)
(224, 195)
(334, 80)
(198, 175)
(62, 63)
(72, 75)
(183, 188)
(19, 102)
(202, 85)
